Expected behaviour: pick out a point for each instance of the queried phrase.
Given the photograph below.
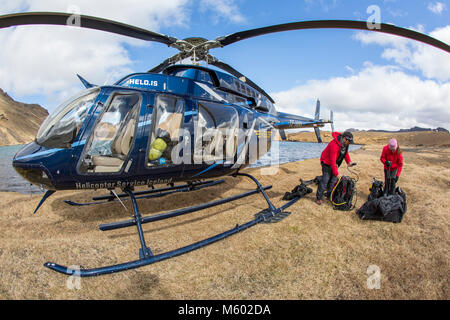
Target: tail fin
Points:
(332, 121)
(316, 117)
(317, 114)
(282, 134)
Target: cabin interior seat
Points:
(120, 148)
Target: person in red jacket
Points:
(330, 159)
(392, 158)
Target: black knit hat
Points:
(348, 135)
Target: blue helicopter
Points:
(174, 123)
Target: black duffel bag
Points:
(299, 191)
(385, 208)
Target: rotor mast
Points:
(195, 47)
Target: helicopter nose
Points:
(25, 164)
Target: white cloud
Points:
(146, 14)
(45, 59)
(222, 9)
(413, 55)
(378, 97)
(383, 97)
(436, 7)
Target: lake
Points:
(288, 152)
(9, 178)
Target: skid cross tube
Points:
(146, 256)
(260, 188)
(145, 251)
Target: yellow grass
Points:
(315, 253)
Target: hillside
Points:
(19, 122)
(415, 139)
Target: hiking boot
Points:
(319, 202)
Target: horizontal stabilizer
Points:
(287, 121)
(292, 121)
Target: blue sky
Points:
(368, 80)
(297, 56)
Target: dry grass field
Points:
(315, 253)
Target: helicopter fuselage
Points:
(212, 123)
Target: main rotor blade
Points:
(222, 65)
(67, 19)
(340, 24)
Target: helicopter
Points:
(174, 123)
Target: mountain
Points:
(19, 122)
(429, 138)
(413, 129)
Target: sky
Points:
(370, 80)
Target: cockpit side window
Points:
(113, 135)
(60, 129)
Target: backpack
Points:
(342, 194)
(376, 189)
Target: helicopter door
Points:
(167, 120)
(113, 136)
(216, 133)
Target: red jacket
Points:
(331, 153)
(394, 157)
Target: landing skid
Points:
(146, 257)
(147, 194)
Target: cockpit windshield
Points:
(60, 129)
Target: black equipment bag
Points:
(299, 191)
(342, 194)
(383, 208)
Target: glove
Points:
(396, 179)
(388, 163)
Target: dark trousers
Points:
(327, 182)
(389, 181)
